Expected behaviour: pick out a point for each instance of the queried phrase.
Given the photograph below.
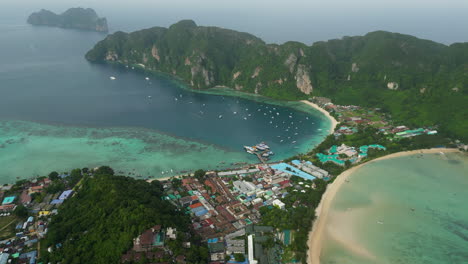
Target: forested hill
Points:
(99, 223)
(419, 82)
(77, 18)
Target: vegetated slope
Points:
(419, 82)
(78, 18)
(99, 223)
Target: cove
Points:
(57, 111)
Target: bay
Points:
(57, 111)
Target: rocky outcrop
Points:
(392, 86)
(155, 53)
(256, 72)
(111, 56)
(303, 82)
(235, 75)
(291, 62)
(302, 53)
(258, 86)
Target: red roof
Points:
(37, 188)
(196, 205)
(284, 182)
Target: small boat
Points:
(147, 78)
(176, 99)
(277, 113)
(112, 78)
(294, 142)
(234, 113)
(149, 96)
(380, 222)
(245, 118)
(220, 116)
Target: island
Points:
(76, 18)
(260, 213)
(419, 82)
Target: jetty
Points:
(261, 150)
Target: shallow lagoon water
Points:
(402, 210)
(58, 112)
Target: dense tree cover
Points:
(298, 219)
(79, 18)
(98, 224)
(239, 257)
(432, 78)
(53, 176)
(21, 211)
(199, 174)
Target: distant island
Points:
(76, 18)
(418, 82)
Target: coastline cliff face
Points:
(381, 69)
(76, 18)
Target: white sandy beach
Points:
(322, 211)
(325, 112)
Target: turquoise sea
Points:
(59, 112)
(404, 210)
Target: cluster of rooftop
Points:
(225, 207)
(19, 244)
(340, 154)
(352, 116)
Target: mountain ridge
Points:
(420, 82)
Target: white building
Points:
(279, 204)
(245, 187)
(250, 247)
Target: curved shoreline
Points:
(314, 242)
(333, 121)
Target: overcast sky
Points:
(278, 21)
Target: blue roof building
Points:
(65, 194)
